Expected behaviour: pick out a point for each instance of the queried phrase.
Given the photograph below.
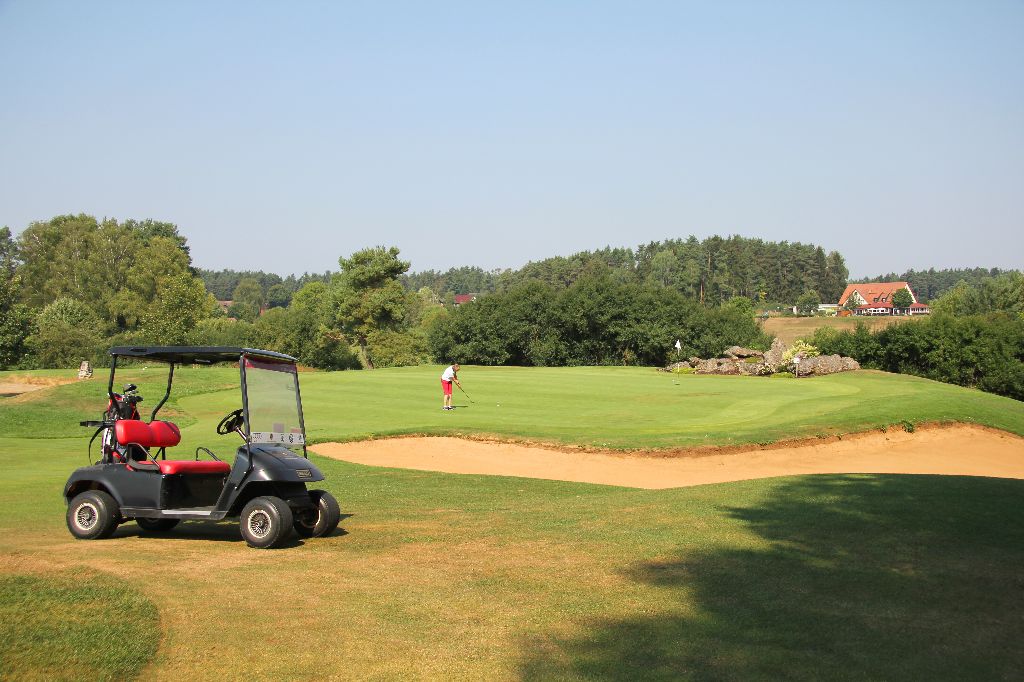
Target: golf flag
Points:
(679, 346)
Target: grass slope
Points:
(440, 576)
(613, 407)
(789, 329)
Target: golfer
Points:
(447, 377)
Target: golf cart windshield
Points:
(273, 404)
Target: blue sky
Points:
(280, 136)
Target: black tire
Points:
(156, 525)
(324, 521)
(265, 522)
(93, 515)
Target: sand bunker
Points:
(953, 450)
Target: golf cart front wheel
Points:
(323, 521)
(93, 515)
(265, 522)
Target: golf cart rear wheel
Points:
(93, 515)
(265, 522)
(156, 525)
(323, 521)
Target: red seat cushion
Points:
(165, 434)
(156, 434)
(189, 466)
(133, 432)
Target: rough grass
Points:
(437, 576)
(74, 626)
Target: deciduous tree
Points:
(367, 296)
(247, 300)
(902, 299)
(15, 317)
(808, 303)
(181, 303)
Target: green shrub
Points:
(800, 346)
(223, 331)
(979, 351)
(397, 349)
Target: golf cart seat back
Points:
(157, 434)
(161, 434)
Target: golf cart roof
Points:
(201, 355)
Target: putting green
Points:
(635, 408)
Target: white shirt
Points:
(448, 374)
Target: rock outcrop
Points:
(741, 353)
(748, 362)
(718, 366)
(773, 358)
(826, 364)
(676, 366)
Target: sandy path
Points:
(17, 389)
(17, 384)
(954, 450)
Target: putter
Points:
(466, 394)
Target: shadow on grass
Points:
(213, 531)
(878, 577)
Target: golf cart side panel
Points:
(278, 463)
(129, 488)
(267, 467)
(294, 494)
(183, 491)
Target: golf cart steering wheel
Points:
(229, 423)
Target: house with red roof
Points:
(875, 298)
(462, 299)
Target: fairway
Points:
(617, 408)
(441, 576)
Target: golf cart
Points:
(265, 487)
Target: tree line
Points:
(73, 286)
(73, 283)
(709, 271)
(596, 320)
(262, 289)
(930, 284)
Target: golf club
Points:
(466, 394)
